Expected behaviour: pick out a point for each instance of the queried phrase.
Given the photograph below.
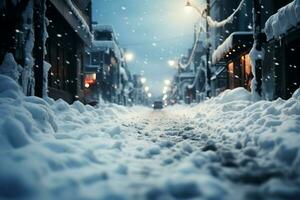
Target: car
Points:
(157, 105)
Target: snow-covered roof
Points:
(187, 75)
(286, 18)
(227, 45)
(104, 44)
(123, 73)
(107, 44)
(74, 18)
(102, 28)
(84, 25)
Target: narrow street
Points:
(225, 148)
(149, 100)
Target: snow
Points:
(123, 73)
(285, 19)
(225, 47)
(254, 56)
(228, 147)
(102, 28)
(75, 11)
(47, 67)
(9, 67)
(106, 44)
(27, 81)
(217, 24)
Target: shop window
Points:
(231, 75)
(89, 79)
(231, 68)
(247, 69)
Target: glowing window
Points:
(90, 78)
(248, 68)
(231, 68)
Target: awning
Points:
(285, 19)
(72, 15)
(236, 44)
(105, 45)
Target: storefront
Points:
(281, 70)
(68, 37)
(234, 55)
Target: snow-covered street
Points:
(225, 148)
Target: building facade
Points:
(69, 34)
(47, 40)
(231, 46)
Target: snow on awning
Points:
(236, 42)
(285, 19)
(103, 45)
(123, 73)
(103, 28)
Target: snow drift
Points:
(228, 147)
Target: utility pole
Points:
(39, 51)
(208, 73)
(258, 42)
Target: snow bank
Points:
(9, 67)
(286, 18)
(228, 147)
(23, 119)
(41, 136)
(266, 127)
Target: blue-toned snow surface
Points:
(228, 147)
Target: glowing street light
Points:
(167, 82)
(188, 8)
(143, 80)
(149, 95)
(86, 85)
(171, 63)
(165, 97)
(147, 89)
(129, 56)
(165, 90)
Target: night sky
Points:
(154, 30)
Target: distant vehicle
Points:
(157, 105)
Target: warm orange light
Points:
(89, 79)
(231, 68)
(248, 68)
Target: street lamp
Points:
(149, 95)
(171, 63)
(147, 89)
(143, 80)
(167, 82)
(129, 56)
